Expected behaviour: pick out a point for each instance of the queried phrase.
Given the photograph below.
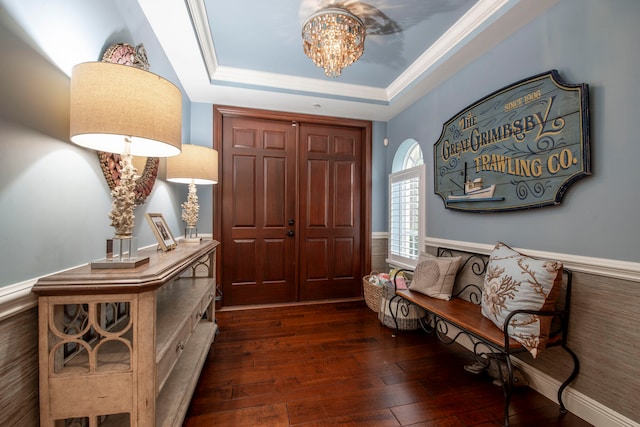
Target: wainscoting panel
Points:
(604, 331)
(379, 252)
(19, 369)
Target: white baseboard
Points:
(577, 403)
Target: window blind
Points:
(406, 215)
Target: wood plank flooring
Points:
(336, 365)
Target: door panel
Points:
(317, 194)
(344, 195)
(259, 189)
(244, 185)
(330, 265)
(344, 255)
(318, 251)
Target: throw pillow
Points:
(514, 281)
(435, 276)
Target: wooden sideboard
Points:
(122, 347)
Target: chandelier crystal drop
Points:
(333, 38)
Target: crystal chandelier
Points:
(333, 38)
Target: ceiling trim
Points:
(475, 17)
(185, 36)
(286, 83)
(200, 21)
(480, 13)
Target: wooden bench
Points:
(464, 312)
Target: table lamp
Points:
(195, 165)
(130, 111)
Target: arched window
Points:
(413, 157)
(406, 205)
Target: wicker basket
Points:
(372, 293)
(407, 320)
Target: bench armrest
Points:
(552, 333)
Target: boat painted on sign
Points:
(474, 190)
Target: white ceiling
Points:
(249, 52)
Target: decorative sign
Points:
(520, 147)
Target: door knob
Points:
(290, 233)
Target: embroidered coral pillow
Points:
(514, 281)
(435, 276)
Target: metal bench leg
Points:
(574, 374)
(507, 388)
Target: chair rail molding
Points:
(17, 298)
(625, 270)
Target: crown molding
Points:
(198, 14)
(450, 40)
(470, 22)
(183, 30)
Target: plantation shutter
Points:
(406, 216)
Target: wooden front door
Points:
(330, 210)
(291, 216)
(259, 196)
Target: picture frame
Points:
(161, 231)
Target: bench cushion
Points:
(514, 281)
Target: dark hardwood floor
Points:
(336, 365)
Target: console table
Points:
(122, 347)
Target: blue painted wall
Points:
(379, 178)
(53, 196)
(591, 41)
(54, 200)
